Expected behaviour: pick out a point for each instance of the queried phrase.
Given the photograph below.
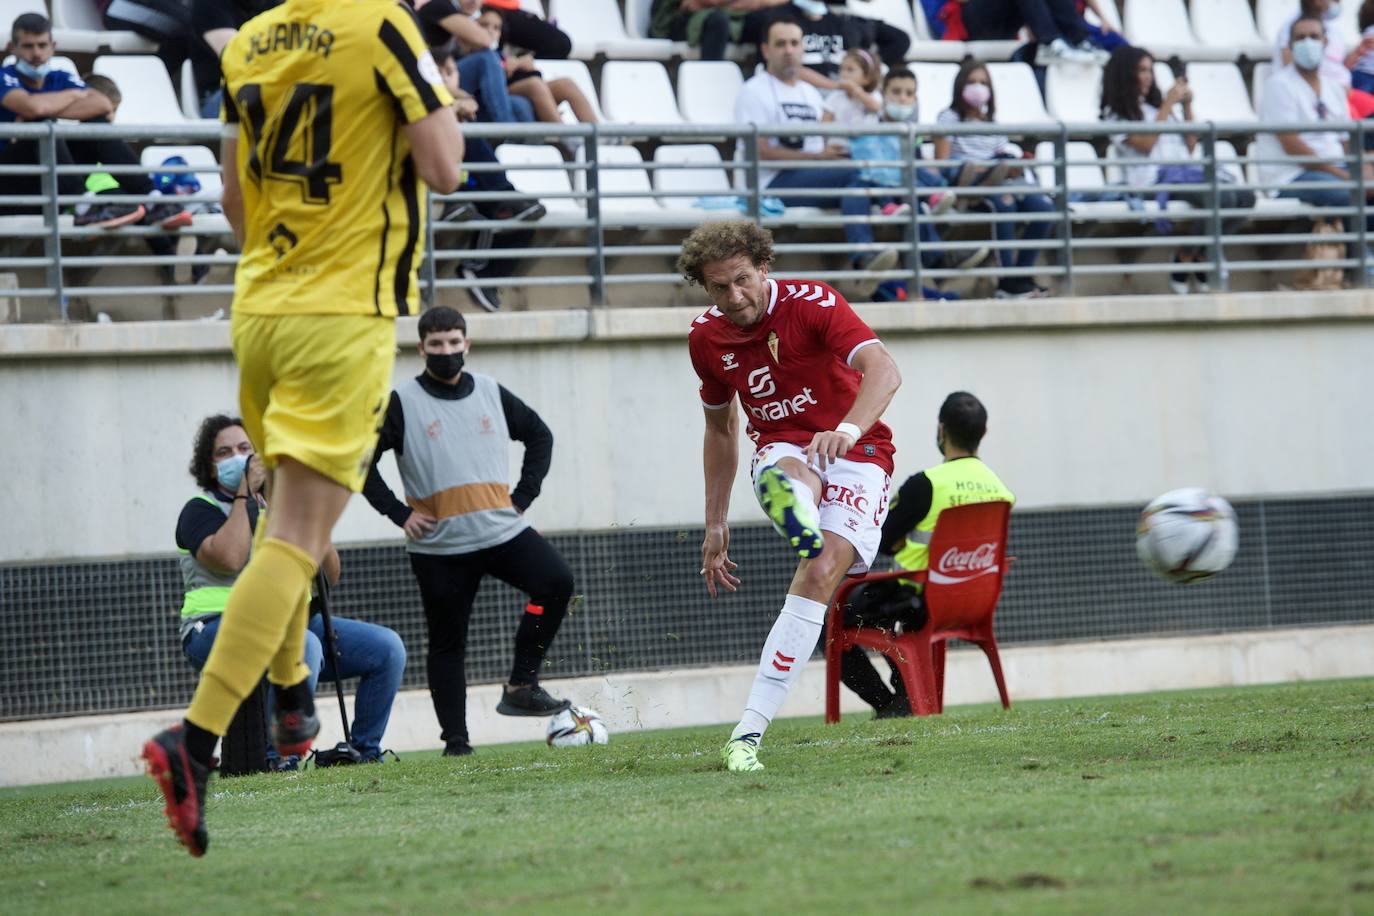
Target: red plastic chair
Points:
(968, 559)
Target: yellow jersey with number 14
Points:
(318, 91)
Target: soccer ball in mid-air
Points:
(1187, 535)
(577, 726)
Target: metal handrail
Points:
(594, 206)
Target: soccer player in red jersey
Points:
(814, 381)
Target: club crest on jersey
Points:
(773, 344)
(729, 360)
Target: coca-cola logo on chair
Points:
(956, 566)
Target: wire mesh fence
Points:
(97, 637)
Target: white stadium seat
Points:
(211, 180)
(1219, 92)
(552, 178)
(596, 26)
(893, 12)
(1018, 94)
(628, 180)
(576, 71)
(1270, 16)
(934, 87)
(702, 174)
(706, 91)
(1085, 171)
(147, 90)
(1258, 77)
(1073, 92)
(76, 26)
(638, 92)
(1163, 27)
(1228, 25)
(1228, 159)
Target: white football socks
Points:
(790, 643)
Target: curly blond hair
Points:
(720, 241)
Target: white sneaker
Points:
(1060, 51)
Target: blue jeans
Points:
(1006, 232)
(1325, 197)
(367, 651)
(481, 74)
(854, 233)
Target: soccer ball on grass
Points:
(577, 726)
(1187, 535)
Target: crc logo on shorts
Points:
(852, 499)
(761, 382)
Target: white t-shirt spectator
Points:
(1365, 62)
(765, 99)
(974, 147)
(1333, 66)
(1289, 99)
(1139, 168)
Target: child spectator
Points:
(857, 100)
(523, 80)
(984, 161)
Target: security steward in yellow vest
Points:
(896, 604)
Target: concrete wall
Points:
(89, 747)
(1092, 402)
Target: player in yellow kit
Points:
(334, 114)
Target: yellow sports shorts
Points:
(314, 388)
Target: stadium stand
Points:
(1219, 92)
(699, 173)
(1229, 26)
(576, 71)
(1073, 92)
(1163, 27)
(538, 170)
(1018, 94)
(924, 45)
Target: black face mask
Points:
(444, 365)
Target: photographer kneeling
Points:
(214, 537)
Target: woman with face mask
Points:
(214, 537)
(986, 161)
(1336, 64)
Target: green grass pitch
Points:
(1257, 800)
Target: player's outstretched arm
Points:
(720, 458)
(437, 148)
(881, 379)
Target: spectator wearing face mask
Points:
(1300, 92)
(986, 160)
(1336, 62)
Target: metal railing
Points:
(601, 201)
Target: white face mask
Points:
(810, 7)
(1308, 53)
(897, 112)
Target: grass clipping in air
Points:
(1223, 801)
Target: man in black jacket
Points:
(449, 430)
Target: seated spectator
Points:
(779, 96)
(1336, 63)
(478, 150)
(1061, 32)
(711, 25)
(480, 70)
(899, 107)
(828, 35)
(213, 24)
(911, 518)
(986, 161)
(522, 79)
(167, 22)
(1362, 70)
(31, 90)
(520, 29)
(1300, 92)
(214, 537)
(1129, 93)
